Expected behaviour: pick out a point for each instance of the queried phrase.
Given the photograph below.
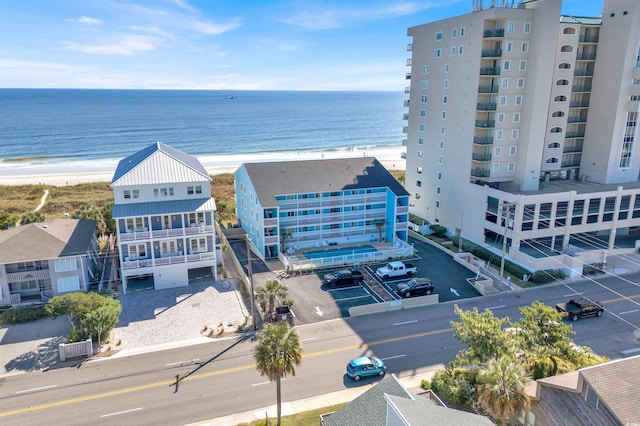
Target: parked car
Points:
(343, 277)
(396, 269)
(365, 366)
(415, 287)
(580, 308)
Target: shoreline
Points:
(390, 158)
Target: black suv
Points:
(343, 277)
(415, 287)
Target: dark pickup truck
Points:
(580, 308)
(343, 277)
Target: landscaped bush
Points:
(22, 314)
(439, 230)
(593, 268)
(547, 275)
(454, 386)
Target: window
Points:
(443, 130)
(554, 145)
(198, 245)
(523, 65)
(419, 183)
(440, 159)
(560, 98)
(421, 127)
(516, 117)
(501, 117)
(558, 114)
(445, 99)
(513, 150)
(424, 84)
(417, 196)
(441, 145)
(518, 100)
(423, 99)
(552, 160)
(437, 204)
(437, 53)
(562, 82)
(520, 83)
(454, 32)
(425, 69)
(439, 36)
(567, 48)
(505, 83)
(65, 264)
(439, 176)
(168, 247)
(527, 27)
(419, 170)
(497, 151)
(461, 50)
(137, 251)
(197, 218)
(420, 141)
(446, 84)
(564, 66)
(499, 135)
(453, 51)
(194, 190)
(444, 115)
(569, 30)
(134, 224)
(461, 31)
(514, 134)
(628, 139)
(506, 65)
(447, 68)
(525, 47)
(556, 130)
(510, 26)
(156, 192)
(635, 81)
(127, 194)
(495, 168)
(68, 284)
(420, 154)
(508, 46)
(503, 100)
(438, 190)
(423, 113)
(511, 167)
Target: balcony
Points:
(490, 71)
(409, 47)
(481, 157)
(492, 53)
(487, 89)
(578, 119)
(407, 89)
(579, 104)
(493, 33)
(134, 235)
(485, 124)
(486, 106)
(408, 63)
(583, 72)
(571, 149)
(586, 57)
(588, 38)
(406, 103)
(581, 88)
(271, 240)
(405, 116)
(407, 76)
(405, 130)
(571, 163)
(573, 135)
(482, 141)
(480, 173)
(270, 222)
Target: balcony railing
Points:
(408, 63)
(407, 89)
(588, 39)
(270, 222)
(405, 116)
(485, 123)
(406, 103)
(480, 157)
(586, 57)
(580, 119)
(486, 106)
(494, 33)
(487, 89)
(581, 88)
(407, 76)
(571, 149)
(583, 72)
(574, 135)
(570, 164)
(480, 173)
(271, 240)
(579, 104)
(492, 53)
(409, 47)
(490, 71)
(482, 141)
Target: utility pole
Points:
(253, 309)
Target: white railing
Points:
(72, 350)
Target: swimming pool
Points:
(342, 251)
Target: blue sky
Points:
(218, 44)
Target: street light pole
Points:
(253, 309)
(505, 215)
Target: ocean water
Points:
(70, 130)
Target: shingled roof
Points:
(46, 240)
(302, 177)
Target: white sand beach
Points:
(390, 157)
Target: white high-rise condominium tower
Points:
(522, 122)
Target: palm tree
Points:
(267, 294)
(501, 389)
(379, 225)
(284, 234)
(277, 352)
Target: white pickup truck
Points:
(396, 269)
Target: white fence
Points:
(73, 350)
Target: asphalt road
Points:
(219, 378)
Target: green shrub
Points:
(547, 275)
(486, 255)
(425, 384)
(453, 386)
(593, 268)
(439, 230)
(77, 335)
(22, 314)
(539, 368)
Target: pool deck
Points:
(299, 254)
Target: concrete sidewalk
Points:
(411, 383)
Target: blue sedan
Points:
(365, 366)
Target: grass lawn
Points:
(300, 419)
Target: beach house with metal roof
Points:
(164, 216)
(286, 206)
(44, 259)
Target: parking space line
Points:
(405, 322)
(393, 357)
(496, 307)
(628, 312)
(573, 294)
(353, 298)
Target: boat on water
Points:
(230, 97)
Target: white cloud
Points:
(87, 20)
(121, 45)
(151, 30)
(210, 28)
(184, 5)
